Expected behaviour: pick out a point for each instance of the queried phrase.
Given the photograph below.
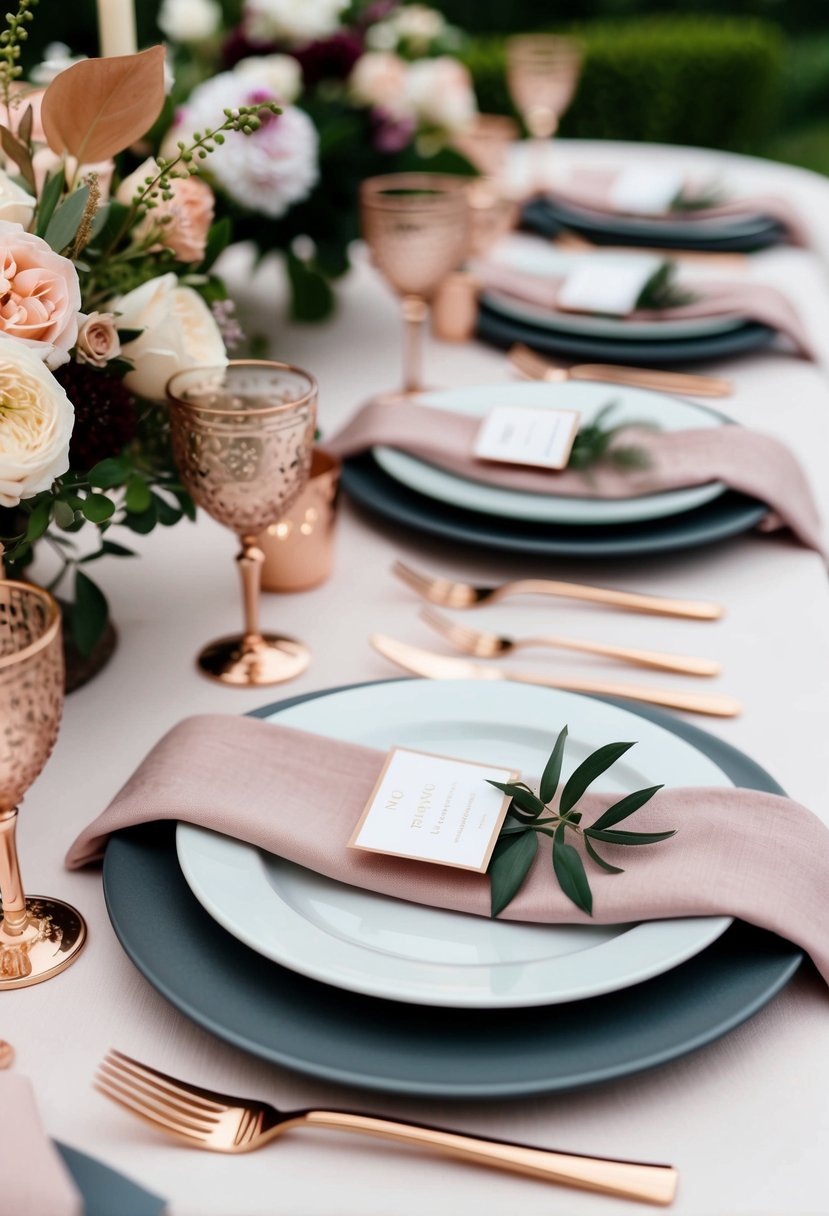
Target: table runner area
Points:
(709, 1113)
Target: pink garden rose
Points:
(23, 96)
(40, 296)
(98, 340)
(181, 222)
(379, 79)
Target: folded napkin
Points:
(744, 460)
(747, 300)
(33, 1178)
(610, 192)
(737, 852)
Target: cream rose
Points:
(180, 223)
(178, 331)
(281, 74)
(16, 205)
(40, 296)
(98, 340)
(45, 161)
(379, 79)
(440, 92)
(36, 420)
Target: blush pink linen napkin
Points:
(737, 852)
(590, 189)
(749, 300)
(753, 463)
(33, 1178)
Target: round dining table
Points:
(744, 1118)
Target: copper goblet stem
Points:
(415, 311)
(250, 561)
(12, 901)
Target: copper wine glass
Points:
(242, 440)
(416, 225)
(38, 936)
(493, 213)
(542, 73)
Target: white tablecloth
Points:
(745, 1119)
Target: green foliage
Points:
(701, 80)
(530, 815)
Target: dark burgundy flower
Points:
(329, 58)
(104, 414)
(391, 132)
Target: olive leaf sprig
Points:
(594, 445)
(712, 196)
(661, 290)
(530, 815)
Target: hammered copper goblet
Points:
(542, 73)
(416, 226)
(38, 936)
(242, 440)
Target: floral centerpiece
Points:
(365, 89)
(106, 289)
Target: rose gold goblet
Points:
(542, 74)
(485, 141)
(242, 440)
(416, 226)
(39, 937)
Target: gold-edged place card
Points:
(434, 808)
(518, 434)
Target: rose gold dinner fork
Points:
(224, 1124)
(451, 593)
(535, 367)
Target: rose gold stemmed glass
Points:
(242, 440)
(542, 73)
(39, 937)
(484, 143)
(416, 226)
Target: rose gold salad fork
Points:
(451, 593)
(224, 1124)
(492, 645)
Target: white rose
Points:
(441, 94)
(179, 331)
(296, 21)
(16, 205)
(36, 420)
(189, 20)
(418, 24)
(378, 78)
(280, 74)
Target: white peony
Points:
(178, 331)
(415, 24)
(280, 74)
(36, 420)
(189, 20)
(267, 171)
(292, 21)
(16, 204)
(378, 78)
(441, 94)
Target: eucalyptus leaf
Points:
(588, 771)
(569, 870)
(97, 507)
(64, 514)
(38, 520)
(552, 769)
(64, 224)
(113, 471)
(600, 861)
(143, 522)
(138, 497)
(509, 866)
(612, 837)
(625, 806)
(167, 513)
(90, 613)
(53, 188)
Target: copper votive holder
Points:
(299, 548)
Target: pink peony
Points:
(180, 223)
(40, 296)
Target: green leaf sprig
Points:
(594, 445)
(661, 290)
(712, 196)
(530, 816)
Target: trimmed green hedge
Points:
(713, 82)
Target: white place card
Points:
(608, 284)
(519, 434)
(645, 191)
(434, 808)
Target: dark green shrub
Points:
(708, 81)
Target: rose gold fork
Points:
(224, 1124)
(492, 645)
(450, 593)
(536, 367)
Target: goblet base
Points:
(52, 939)
(271, 660)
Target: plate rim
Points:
(192, 841)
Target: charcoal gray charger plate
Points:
(503, 331)
(104, 1191)
(283, 1017)
(723, 517)
(737, 234)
